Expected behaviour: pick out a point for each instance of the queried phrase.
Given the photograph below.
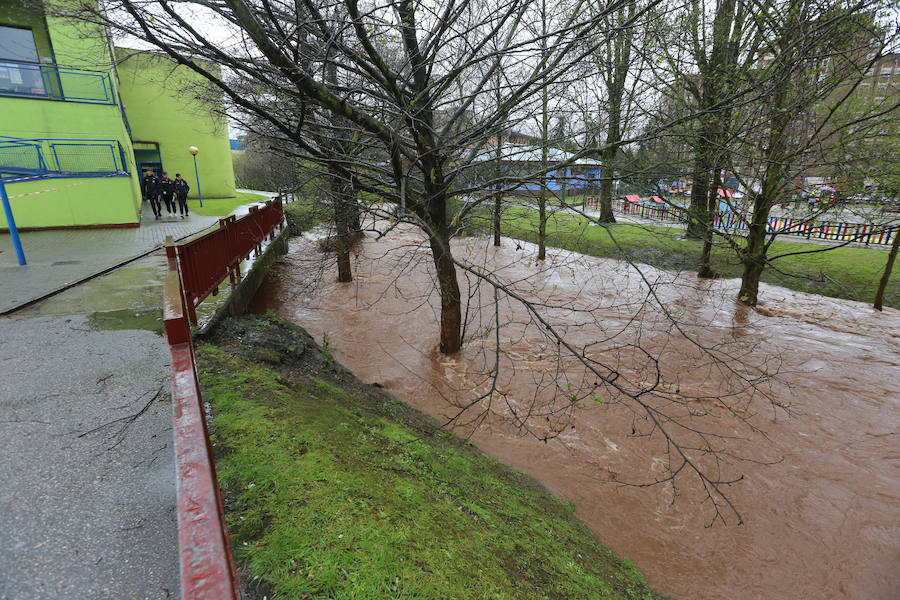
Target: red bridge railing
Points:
(205, 261)
(196, 268)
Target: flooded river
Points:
(616, 374)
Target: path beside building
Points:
(88, 499)
(58, 258)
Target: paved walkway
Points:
(58, 258)
(88, 495)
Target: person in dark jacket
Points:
(167, 187)
(150, 188)
(181, 191)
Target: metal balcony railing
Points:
(31, 80)
(62, 157)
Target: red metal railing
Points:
(205, 261)
(206, 563)
(196, 268)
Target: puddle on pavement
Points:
(139, 284)
(823, 522)
(129, 297)
(149, 319)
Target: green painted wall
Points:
(72, 201)
(93, 201)
(159, 99)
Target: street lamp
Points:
(194, 150)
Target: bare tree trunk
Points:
(340, 200)
(498, 192)
(542, 224)
(697, 210)
(451, 306)
(353, 207)
(879, 295)
(498, 200)
(545, 125)
(606, 184)
(617, 60)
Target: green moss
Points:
(330, 495)
(851, 273)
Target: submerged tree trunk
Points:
(879, 295)
(777, 157)
(754, 259)
(712, 201)
(342, 198)
(448, 286)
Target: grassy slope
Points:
(851, 273)
(335, 489)
(220, 207)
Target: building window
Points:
(20, 70)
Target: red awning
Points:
(721, 193)
(633, 198)
(658, 199)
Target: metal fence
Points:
(53, 82)
(62, 157)
(836, 231)
(196, 268)
(207, 260)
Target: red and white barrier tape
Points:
(54, 189)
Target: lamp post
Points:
(194, 150)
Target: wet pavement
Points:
(799, 399)
(88, 499)
(58, 258)
(88, 495)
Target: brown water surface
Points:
(806, 383)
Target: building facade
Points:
(66, 151)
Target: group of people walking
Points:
(159, 190)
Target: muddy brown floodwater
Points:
(806, 383)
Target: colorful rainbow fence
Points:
(730, 221)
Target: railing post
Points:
(11, 224)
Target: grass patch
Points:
(220, 207)
(335, 489)
(304, 214)
(850, 273)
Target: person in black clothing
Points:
(181, 191)
(150, 188)
(167, 187)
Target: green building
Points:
(167, 119)
(75, 124)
